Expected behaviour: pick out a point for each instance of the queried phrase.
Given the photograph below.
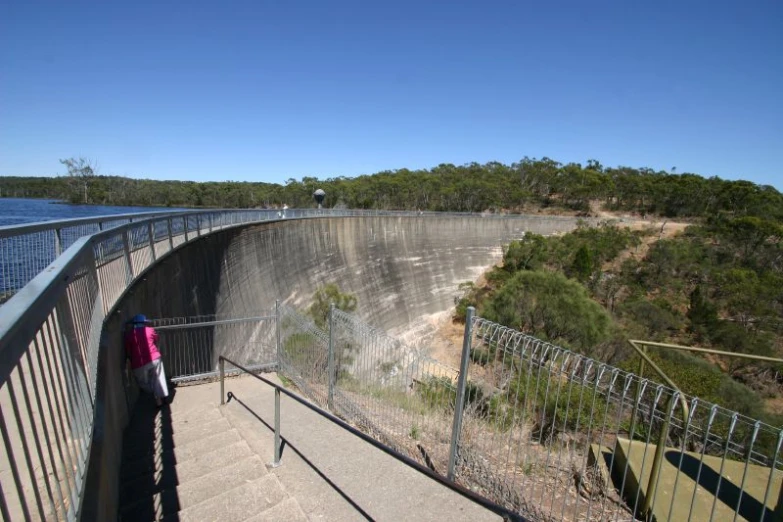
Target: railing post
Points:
(210, 222)
(278, 344)
(128, 262)
(185, 224)
(277, 428)
(58, 242)
(171, 236)
(459, 405)
(222, 368)
(330, 364)
(151, 230)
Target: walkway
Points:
(212, 463)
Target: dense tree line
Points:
(719, 284)
(525, 185)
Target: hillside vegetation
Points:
(529, 184)
(719, 284)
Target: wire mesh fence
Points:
(545, 432)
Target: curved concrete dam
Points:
(402, 269)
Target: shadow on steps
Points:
(285, 444)
(148, 464)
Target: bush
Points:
(551, 306)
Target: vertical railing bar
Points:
(170, 234)
(710, 420)
(658, 394)
(598, 375)
(73, 385)
(128, 260)
(65, 457)
(278, 345)
(72, 448)
(756, 428)
(459, 406)
(684, 445)
(45, 428)
(331, 362)
(151, 232)
(733, 425)
(773, 467)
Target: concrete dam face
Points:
(402, 269)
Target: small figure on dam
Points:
(142, 350)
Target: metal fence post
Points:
(330, 364)
(151, 229)
(128, 261)
(171, 236)
(459, 405)
(222, 367)
(277, 427)
(58, 242)
(278, 345)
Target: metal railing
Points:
(190, 346)
(545, 432)
(50, 332)
(424, 470)
(25, 250)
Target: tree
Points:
(81, 173)
(529, 253)
(326, 296)
(584, 263)
(549, 305)
(702, 313)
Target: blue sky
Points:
(267, 91)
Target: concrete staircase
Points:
(188, 463)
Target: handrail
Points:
(38, 226)
(659, 450)
(60, 311)
(470, 495)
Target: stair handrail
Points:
(505, 513)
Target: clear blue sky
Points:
(267, 90)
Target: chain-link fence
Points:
(546, 432)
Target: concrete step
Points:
(172, 418)
(177, 455)
(143, 485)
(173, 499)
(286, 511)
(240, 503)
(167, 439)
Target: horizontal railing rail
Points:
(543, 431)
(470, 495)
(27, 249)
(50, 333)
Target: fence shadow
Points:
(284, 443)
(148, 477)
(727, 492)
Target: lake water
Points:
(23, 257)
(15, 211)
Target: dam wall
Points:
(402, 269)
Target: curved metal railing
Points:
(50, 333)
(27, 249)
